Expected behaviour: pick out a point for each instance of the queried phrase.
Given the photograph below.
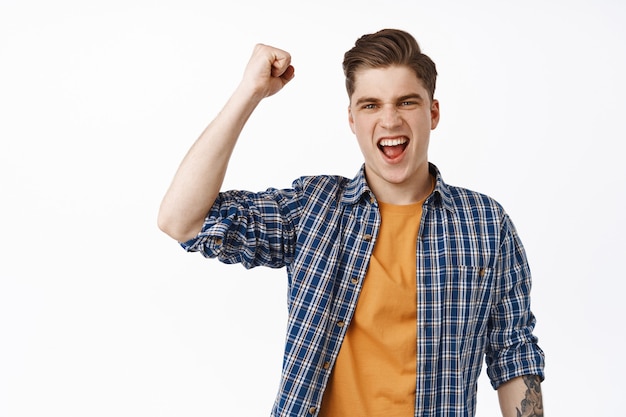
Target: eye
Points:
(369, 106)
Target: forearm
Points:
(201, 173)
(521, 397)
(199, 177)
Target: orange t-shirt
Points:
(374, 374)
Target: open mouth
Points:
(393, 148)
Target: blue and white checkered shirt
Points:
(473, 284)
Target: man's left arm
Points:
(515, 361)
(521, 397)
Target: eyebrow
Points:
(363, 100)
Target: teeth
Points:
(392, 142)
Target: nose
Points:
(390, 117)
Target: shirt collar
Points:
(357, 188)
(441, 194)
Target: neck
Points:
(408, 192)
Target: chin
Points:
(395, 179)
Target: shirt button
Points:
(340, 323)
(367, 238)
(482, 272)
(354, 281)
(326, 365)
(312, 410)
(218, 241)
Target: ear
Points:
(351, 119)
(434, 114)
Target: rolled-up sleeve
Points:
(254, 229)
(513, 349)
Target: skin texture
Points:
(392, 104)
(521, 397)
(199, 177)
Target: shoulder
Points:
(321, 185)
(465, 198)
(470, 205)
(461, 199)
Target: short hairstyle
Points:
(386, 48)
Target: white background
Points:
(103, 315)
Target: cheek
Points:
(365, 147)
(362, 126)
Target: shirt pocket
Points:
(465, 316)
(467, 300)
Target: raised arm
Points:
(521, 397)
(199, 177)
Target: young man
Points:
(399, 284)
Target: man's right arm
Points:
(199, 177)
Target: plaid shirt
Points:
(473, 284)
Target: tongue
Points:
(393, 151)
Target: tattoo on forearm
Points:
(532, 405)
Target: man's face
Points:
(391, 115)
